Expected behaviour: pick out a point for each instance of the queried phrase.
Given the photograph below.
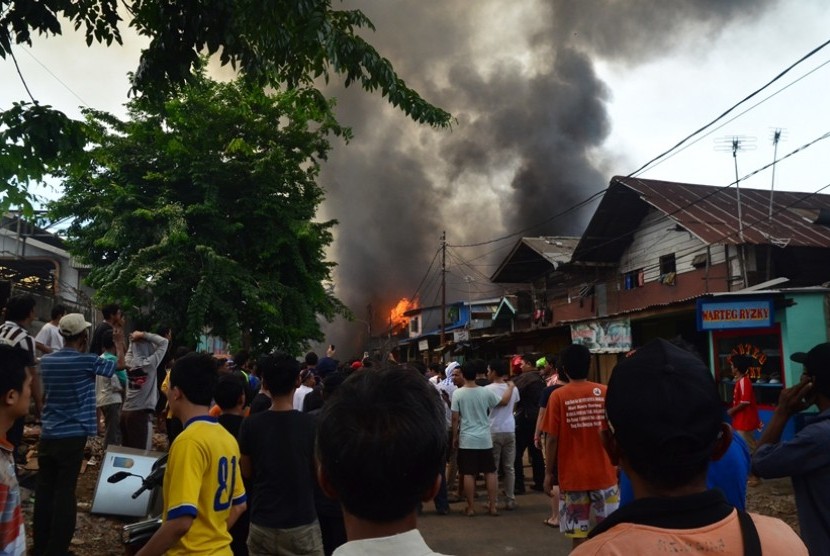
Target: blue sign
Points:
(730, 314)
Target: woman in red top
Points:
(744, 410)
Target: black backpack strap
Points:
(752, 542)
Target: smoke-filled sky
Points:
(552, 98)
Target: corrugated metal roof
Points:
(710, 213)
(534, 256)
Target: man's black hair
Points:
(530, 359)
(437, 368)
(19, 307)
(576, 360)
(107, 341)
(58, 311)
(381, 442)
(279, 372)
(240, 358)
(195, 375)
(229, 389)
(743, 363)
(12, 369)
(332, 382)
(499, 367)
(418, 366)
(311, 359)
(164, 329)
(110, 310)
(473, 367)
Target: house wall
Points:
(803, 325)
(656, 237)
(687, 285)
(68, 278)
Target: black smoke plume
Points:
(532, 119)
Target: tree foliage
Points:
(200, 212)
(278, 43)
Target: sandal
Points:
(469, 512)
(494, 512)
(550, 523)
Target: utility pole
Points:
(443, 286)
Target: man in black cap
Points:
(664, 426)
(806, 458)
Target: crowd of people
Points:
(273, 455)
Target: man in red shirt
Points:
(744, 410)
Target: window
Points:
(668, 269)
(634, 279)
(415, 326)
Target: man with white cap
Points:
(68, 419)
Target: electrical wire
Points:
(560, 214)
(733, 107)
(729, 121)
(714, 191)
(755, 224)
(653, 161)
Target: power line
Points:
(754, 225)
(730, 120)
(58, 79)
(669, 151)
(418, 289)
(734, 106)
(547, 220)
(715, 190)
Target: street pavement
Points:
(518, 532)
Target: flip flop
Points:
(550, 523)
(469, 512)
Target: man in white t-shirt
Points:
(503, 429)
(307, 382)
(49, 338)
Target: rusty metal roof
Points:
(710, 213)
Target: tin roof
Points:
(532, 257)
(710, 213)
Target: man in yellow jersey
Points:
(203, 492)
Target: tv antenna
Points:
(776, 135)
(734, 144)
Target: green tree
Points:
(200, 212)
(278, 43)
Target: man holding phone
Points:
(328, 364)
(805, 458)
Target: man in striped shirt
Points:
(68, 419)
(20, 312)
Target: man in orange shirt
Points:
(665, 424)
(574, 417)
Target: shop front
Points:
(767, 326)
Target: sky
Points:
(552, 99)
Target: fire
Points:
(397, 320)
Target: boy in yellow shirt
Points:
(203, 492)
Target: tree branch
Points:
(20, 73)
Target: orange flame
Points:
(396, 316)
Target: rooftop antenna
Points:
(778, 135)
(734, 144)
